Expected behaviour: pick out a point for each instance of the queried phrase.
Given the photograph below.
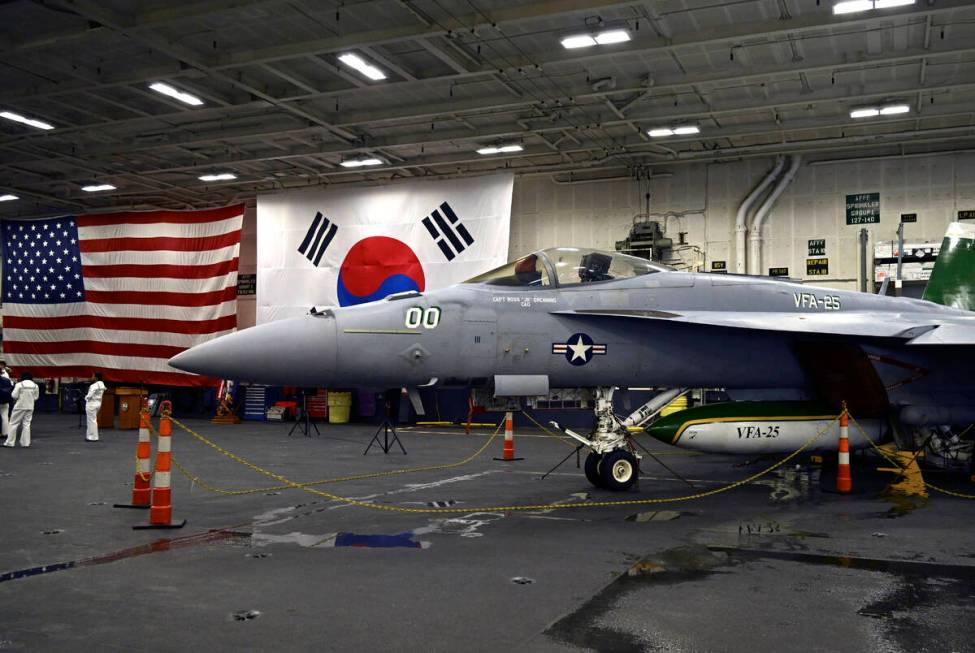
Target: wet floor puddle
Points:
(918, 585)
(154, 547)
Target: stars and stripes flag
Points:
(119, 293)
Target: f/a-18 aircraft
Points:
(575, 317)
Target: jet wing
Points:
(917, 329)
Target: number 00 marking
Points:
(428, 317)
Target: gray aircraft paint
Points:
(666, 329)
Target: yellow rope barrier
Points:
(542, 506)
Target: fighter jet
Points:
(572, 317)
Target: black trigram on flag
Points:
(319, 237)
(450, 235)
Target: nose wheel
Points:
(615, 471)
(618, 470)
(592, 469)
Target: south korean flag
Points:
(349, 246)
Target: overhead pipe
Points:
(755, 246)
(741, 220)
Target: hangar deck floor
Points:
(778, 565)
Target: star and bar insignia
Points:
(579, 349)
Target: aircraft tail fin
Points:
(952, 280)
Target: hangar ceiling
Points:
(280, 110)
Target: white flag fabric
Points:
(346, 246)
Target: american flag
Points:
(119, 293)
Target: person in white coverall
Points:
(6, 389)
(25, 393)
(93, 403)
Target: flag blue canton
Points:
(42, 262)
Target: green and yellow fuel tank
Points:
(759, 427)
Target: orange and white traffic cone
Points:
(509, 440)
(161, 511)
(844, 480)
(141, 492)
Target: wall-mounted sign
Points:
(817, 247)
(817, 267)
(778, 272)
(966, 215)
(863, 208)
(908, 217)
(721, 267)
(246, 284)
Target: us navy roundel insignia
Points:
(578, 349)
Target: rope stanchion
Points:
(141, 491)
(161, 510)
(883, 454)
(511, 508)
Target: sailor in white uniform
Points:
(93, 402)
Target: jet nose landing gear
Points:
(611, 464)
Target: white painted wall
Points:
(546, 214)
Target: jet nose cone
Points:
(298, 351)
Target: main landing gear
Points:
(612, 464)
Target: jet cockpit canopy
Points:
(567, 266)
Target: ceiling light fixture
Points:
(887, 4)
(577, 41)
(855, 6)
(676, 130)
(500, 149)
(358, 163)
(611, 36)
(175, 93)
(16, 117)
(223, 176)
(891, 109)
(589, 39)
(8, 198)
(98, 187)
(356, 62)
(894, 109)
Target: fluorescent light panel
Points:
(887, 4)
(885, 110)
(16, 117)
(611, 36)
(358, 163)
(894, 109)
(499, 149)
(577, 41)
(852, 6)
(8, 198)
(175, 93)
(604, 37)
(356, 62)
(223, 176)
(676, 130)
(97, 188)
